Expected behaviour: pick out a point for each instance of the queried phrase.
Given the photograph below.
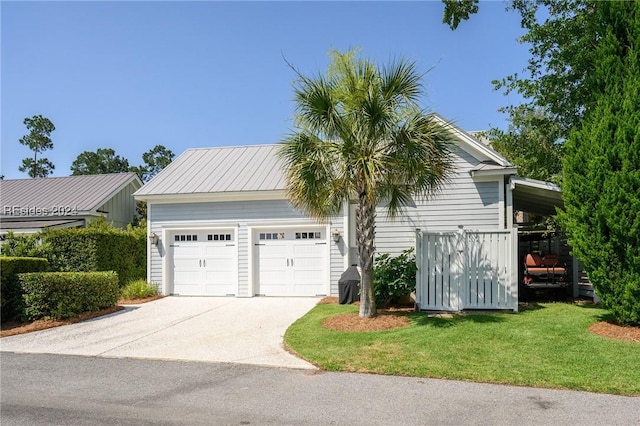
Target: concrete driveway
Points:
(240, 330)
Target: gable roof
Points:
(219, 170)
(84, 193)
(473, 145)
(198, 172)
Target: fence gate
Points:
(466, 270)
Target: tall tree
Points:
(602, 166)
(104, 160)
(38, 140)
(156, 159)
(555, 85)
(530, 144)
(361, 135)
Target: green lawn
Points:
(548, 346)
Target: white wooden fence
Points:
(467, 270)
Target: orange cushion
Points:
(532, 259)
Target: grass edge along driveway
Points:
(547, 346)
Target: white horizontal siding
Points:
(462, 202)
(240, 215)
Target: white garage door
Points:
(291, 262)
(203, 263)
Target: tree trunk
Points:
(366, 230)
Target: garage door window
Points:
(219, 237)
(271, 236)
(307, 235)
(185, 237)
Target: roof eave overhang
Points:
(492, 174)
(535, 196)
(212, 197)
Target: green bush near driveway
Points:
(548, 346)
(139, 289)
(99, 247)
(11, 302)
(92, 250)
(60, 295)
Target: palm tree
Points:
(360, 135)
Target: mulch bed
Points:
(138, 301)
(353, 322)
(13, 328)
(613, 331)
(386, 319)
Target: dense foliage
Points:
(11, 302)
(26, 245)
(394, 277)
(89, 250)
(103, 160)
(556, 85)
(61, 295)
(100, 247)
(602, 167)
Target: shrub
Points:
(26, 245)
(139, 289)
(100, 249)
(65, 294)
(11, 302)
(394, 277)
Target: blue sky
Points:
(131, 75)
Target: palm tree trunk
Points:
(366, 230)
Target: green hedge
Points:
(91, 250)
(11, 302)
(66, 294)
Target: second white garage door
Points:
(204, 263)
(291, 262)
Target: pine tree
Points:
(601, 184)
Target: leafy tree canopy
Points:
(103, 160)
(561, 35)
(156, 159)
(38, 140)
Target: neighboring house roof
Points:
(257, 168)
(82, 194)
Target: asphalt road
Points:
(39, 389)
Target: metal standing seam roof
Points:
(220, 169)
(83, 193)
(252, 168)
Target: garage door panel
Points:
(217, 251)
(292, 263)
(203, 267)
(184, 250)
(183, 263)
